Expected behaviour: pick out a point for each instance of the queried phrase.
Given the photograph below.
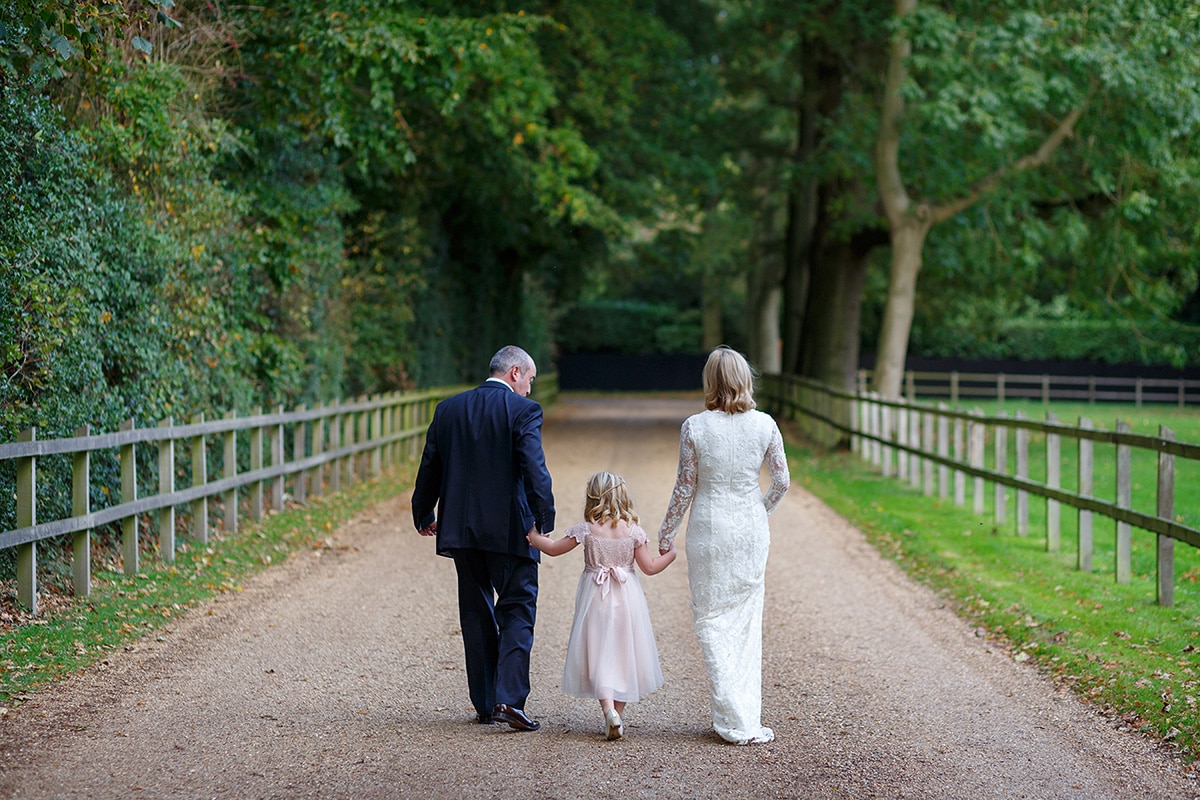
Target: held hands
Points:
(538, 540)
(429, 530)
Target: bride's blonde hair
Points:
(608, 500)
(728, 382)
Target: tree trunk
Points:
(821, 81)
(908, 239)
(831, 335)
(764, 330)
(710, 315)
(797, 276)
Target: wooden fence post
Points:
(943, 450)
(335, 443)
(387, 428)
(960, 477)
(256, 463)
(1045, 389)
(399, 447)
(1000, 506)
(348, 427)
(199, 478)
(1000, 387)
(855, 440)
(1022, 472)
(1124, 543)
(129, 525)
(927, 444)
(954, 387)
(318, 448)
(876, 447)
(299, 446)
(1137, 392)
(27, 594)
(229, 470)
(1054, 481)
(275, 437)
(377, 434)
(81, 504)
(1086, 467)
(914, 438)
(886, 432)
(364, 436)
(910, 386)
(1166, 510)
(977, 433)
(902, 440)
(166, 485)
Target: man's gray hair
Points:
(508, 357)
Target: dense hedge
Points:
(629, 326)
(1110, 342)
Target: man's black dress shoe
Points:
(515, 718)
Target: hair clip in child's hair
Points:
(616, 485)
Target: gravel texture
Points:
(339, 674)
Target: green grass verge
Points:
(1111, 643)
(74, 635)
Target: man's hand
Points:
(430, 530)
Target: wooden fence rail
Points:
(956, 386)
(332, 446)
(908, 440)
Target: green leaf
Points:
(143, 44)
(61, 46)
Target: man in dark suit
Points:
(484, 468)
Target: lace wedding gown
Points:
(720, 457)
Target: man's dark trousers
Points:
(497, 634)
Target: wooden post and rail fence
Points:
(937, 449)
(307, 451)
(960, 386)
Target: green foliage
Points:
(630, 326)
(993, 330)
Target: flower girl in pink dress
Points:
(611, 655)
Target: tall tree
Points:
(976, 94)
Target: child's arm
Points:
(552, 547)
(652, 565)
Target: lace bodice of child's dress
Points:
(604, 558)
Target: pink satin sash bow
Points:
(602, 578)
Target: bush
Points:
(630, 326)
(1101, 341)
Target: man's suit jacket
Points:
(484, 468)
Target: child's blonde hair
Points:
(608, 500)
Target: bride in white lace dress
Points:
(721, 452)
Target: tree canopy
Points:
(219, 205)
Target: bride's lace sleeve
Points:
(776, 460)
(685, 487)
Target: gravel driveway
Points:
(339, 674)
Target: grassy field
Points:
(1136, 661)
